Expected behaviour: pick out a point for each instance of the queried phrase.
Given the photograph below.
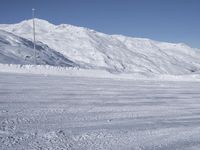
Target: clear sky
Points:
(162, 20)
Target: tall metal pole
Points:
(33, 15)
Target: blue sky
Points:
(162, 20)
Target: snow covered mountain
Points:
(17, 50)
(115, 53)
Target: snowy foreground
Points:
(53, 112)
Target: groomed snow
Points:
(77, 113)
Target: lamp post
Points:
(33, 15)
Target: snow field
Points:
(63, 112)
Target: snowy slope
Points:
(17, 50)
(115, 53)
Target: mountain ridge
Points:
(115, 53)
(62, 25)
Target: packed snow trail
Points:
(57, 112)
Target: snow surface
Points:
(47, 70)
(96, 91)
(114, 53)
(76, 113)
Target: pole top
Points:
(33, 9)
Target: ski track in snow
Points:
(58, 113)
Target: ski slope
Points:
(114, 53)
(76, 113)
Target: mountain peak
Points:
(37, 20)
(40, 24)
(115, 53)
(26, 26)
